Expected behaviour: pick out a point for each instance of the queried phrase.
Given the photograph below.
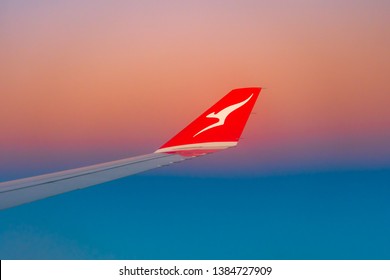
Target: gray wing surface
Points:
(199, 138)
(16, 192)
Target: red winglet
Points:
(218, 128)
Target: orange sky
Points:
(117, 79)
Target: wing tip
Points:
(215, 125)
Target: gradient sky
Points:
(83, 82)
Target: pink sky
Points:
(87, 81)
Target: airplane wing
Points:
(218, 128)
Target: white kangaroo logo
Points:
(223, 114)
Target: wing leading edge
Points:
(218, 128)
